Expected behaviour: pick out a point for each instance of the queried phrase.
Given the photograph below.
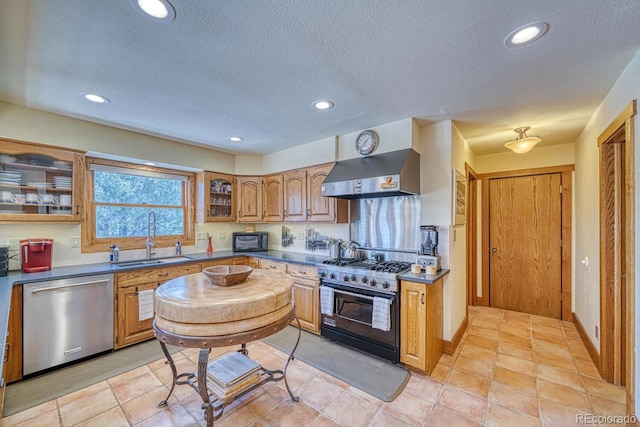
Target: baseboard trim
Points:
(593, 352)
(449, 347)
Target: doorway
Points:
(617, 290)
(526, 241)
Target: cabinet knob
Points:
(494, 250)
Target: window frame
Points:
(91, 243)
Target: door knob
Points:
(494, 250)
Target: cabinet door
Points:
(306, 297)
(130, 328)
(295, 196)
(249, 190)
(320, 208)
(413, 325)
(13, 347)
(273, 204)
(219, 203)
(40, 183)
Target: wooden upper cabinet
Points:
(219, 200)
(273, 201)
(320, 208)
(295, 196)
(40, 183)
(249, 192)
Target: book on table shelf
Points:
(231, 369)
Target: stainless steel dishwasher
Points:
(66, 320)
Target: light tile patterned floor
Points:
(511, 369)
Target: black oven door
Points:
(351, 322)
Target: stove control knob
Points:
(354, 278)
(323, 274)
(372, 282)
(364, 280)
(332, 276)
(345, 278)
(385, 285)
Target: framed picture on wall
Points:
(459, 198)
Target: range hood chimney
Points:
(382, 175)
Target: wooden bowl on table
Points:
(227, 275)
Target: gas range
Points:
(381, 276)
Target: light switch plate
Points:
(222, 235)
(201, 236)
(13, 244)
(75, 242)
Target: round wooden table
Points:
(193, 313)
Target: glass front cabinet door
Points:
(219, 197)
(39, 183)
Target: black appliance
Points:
(257, 241)
(355, 285)
(4, 260)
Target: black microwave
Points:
(250, 241)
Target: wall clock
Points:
(367, 142)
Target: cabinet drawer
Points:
(225, 261)
(301, 270)
(137, 277)
(277, 265)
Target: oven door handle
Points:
(367, 297)
(339, 291)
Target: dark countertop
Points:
(18, 278)
(423, 277)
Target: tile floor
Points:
(511, 369)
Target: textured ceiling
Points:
(253, 68)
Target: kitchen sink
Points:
(154, 261)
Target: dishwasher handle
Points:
(71, 285)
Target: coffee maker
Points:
(36, 255)
(428, 253)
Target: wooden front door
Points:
(525, 243)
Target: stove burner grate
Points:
(340, 261)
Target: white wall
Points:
(538, 157)
(393, 136)
(587, 293)
(46, 128)
(313, 153)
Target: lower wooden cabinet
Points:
(306, 291)
(129, 329)
(306, 295)
(421, 324)
(13, 348)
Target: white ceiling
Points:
(253, 67)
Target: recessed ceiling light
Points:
(526, 34)
(94, 97)
(150, 163)
(160, 10)
(236, 138)
(322, 105)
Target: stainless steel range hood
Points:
(382, 175)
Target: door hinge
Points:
(560, 188)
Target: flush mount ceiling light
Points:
(236, 138)
(322, 105)
(160, 10)
(523, 143)
(526, 34)
(94, 97)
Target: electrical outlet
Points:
(222, 234)
(201, 236)
(454, 235)
(75, 242)
(597, 332)
(14, 244)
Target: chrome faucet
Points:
(150, 245)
